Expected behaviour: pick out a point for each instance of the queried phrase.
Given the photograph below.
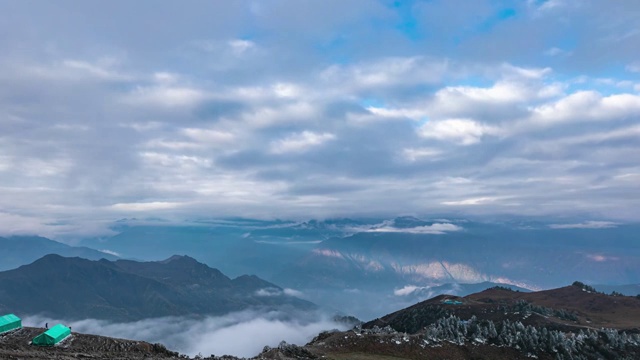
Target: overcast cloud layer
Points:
(316, 109)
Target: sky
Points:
(316, 109)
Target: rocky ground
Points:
(17, 345)
(387, 344)
(383, 345)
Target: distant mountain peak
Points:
(55, 258)
(409, 222)
(179, 258)
(408, 217)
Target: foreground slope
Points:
(496, 324)
(572, 322)
(566, 307)
(123, 290)
(16, 345)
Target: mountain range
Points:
(125, 290)
(400, 260)
(378, 253)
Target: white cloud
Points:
(95, 70)
(328, 253)
(509, 71)
(633, 67)
(146, 206)
(168, 161)
(46, 167)
(76, 71)
(601, 258)
(436, 228)
(287, 90)
(172, 145)
(241, 334)
(594, 138)
(14, 224)
(586, 225)
(208, 135)
(110, 252)
(293, 292)
(261, 117)
(551, 4)
(416, 154)
(407, 290)
(142, 126)
(414, 114)
(300, 142)
(6, 163)
(588, 105)
(460, 131)
(268, 292)
(164, 77)
(37, 224)
(166, 96)
(387, 72)
(554, 51)
(471, 201)
(501, 92)
(70, 127)
(240, 46)
(442, 271)
(545, 7)
(514, 90)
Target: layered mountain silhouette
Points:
(21, 250)
(123, 290)
(532, 257)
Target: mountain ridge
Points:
(125, 290)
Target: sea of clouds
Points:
(241, 334)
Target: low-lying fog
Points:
(241, 334)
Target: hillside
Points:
(124, 290)
(568, 307)
(564, 323)
(627, 289)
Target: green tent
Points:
(52, 336)
(9, 322)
